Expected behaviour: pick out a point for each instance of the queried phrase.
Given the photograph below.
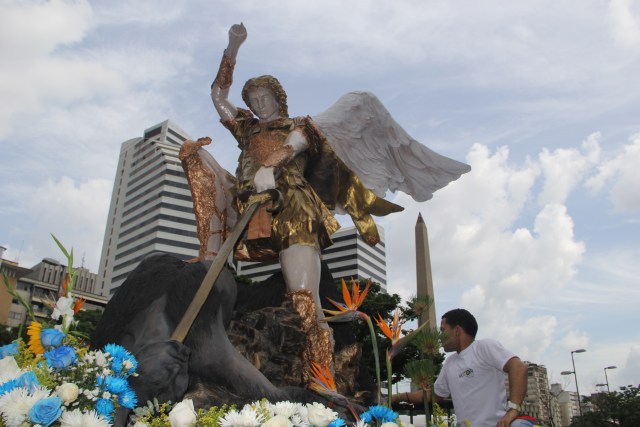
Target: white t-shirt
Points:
(475, 381)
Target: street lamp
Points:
(575, 376)
(606, 378)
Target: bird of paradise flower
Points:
(394, 332)
(324, 384)
(349, 310)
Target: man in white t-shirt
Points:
(474, 375)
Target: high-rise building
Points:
(540, 402)
(151, 208)
(349, 257)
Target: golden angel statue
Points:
(342, 160)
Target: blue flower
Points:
(7, 387)
(105, 408)
(379, 413)
(129, 400)
(46, 411)
(61, 357)
(115, 385)
(8, 350)
(116, 351)
(27, 380)
(119, 356)
(51, 338)
(338, 422)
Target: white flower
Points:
(302, 417)
(9, 369)
(296, 419)
(248, 417)
(77, 418)
(101, 359)
(389, 424)
(139, 424)
(278, 421)
(68, 392)
(285, 408)
(15, 405)
(362, 423)
(183, 414)
(72, 418)
(319, 415)
(64, 307)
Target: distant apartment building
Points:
(151, 208)
(349, 257)
(11, 313)
(539, 402)
(568, 404)
(39, 286)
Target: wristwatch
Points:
(511, 405)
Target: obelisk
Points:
(423, 272)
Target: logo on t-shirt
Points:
(466, 373)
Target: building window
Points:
(15, 316)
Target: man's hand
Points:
(508, 418)
(264, 179)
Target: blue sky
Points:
(541, 98)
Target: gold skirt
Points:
(303, 220)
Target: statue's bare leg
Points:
(301, 270)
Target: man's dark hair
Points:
(464, 319)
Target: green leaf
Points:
(62, 248)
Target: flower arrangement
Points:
(259, 414)
(54, 379)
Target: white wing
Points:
(383, 155)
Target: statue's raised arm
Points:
(224, 78)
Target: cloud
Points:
(630, 373)
(75, 212)
(625, 25)
(574, 340)
(622, 175)
(563, 169)
(38, 66)
(486, 256)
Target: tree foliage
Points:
(618, 408)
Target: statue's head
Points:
(273, 85)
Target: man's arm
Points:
(224, 78)
(517, 372)
(415, 397)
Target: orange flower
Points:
(79, 303)
(351, 301)
(65, 287)
(393, 332)
(323, 382)
(35, 345)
